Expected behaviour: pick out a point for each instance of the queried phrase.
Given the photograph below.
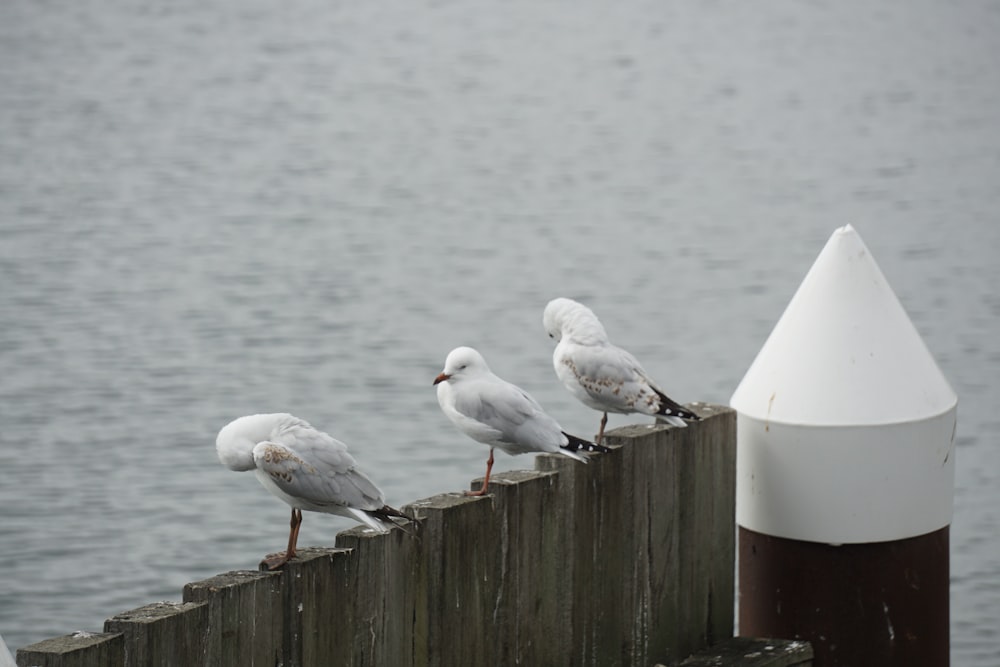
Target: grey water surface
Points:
(214, 208)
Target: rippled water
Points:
(214, 208)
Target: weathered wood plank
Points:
(307, 581)
(593, 507)
(652, 516)
(377, 590)
(245, 618)
(163, 634)
(532, 611)
(720, 442)
(706, 530)
(81, 649)
(459, 581)
(653, 540)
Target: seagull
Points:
(306, 468)
(499, 414)
(601, 375)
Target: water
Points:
(215, 208)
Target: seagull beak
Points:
(441, 378)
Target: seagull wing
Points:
(511, 415)
(606, 377)
(317, 469)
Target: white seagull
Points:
(306, 468)
(499, 414)
(601, 375)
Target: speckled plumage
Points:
(600, 374)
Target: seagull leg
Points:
(293, 536)
(486, 481)
(278, 560)
(600, 432)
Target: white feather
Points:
(304, 467)
(599, 374)
(493, 411)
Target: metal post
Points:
(845, 473)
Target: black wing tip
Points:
(683, 414)
(386, 512)
(576, 444)
(669, 408)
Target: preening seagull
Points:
(499, 414)
(306, 468)
(601, 375)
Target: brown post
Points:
(858, 604)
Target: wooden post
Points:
(307, 582)
(82, 649)
(652, 559)
(459, 581)
(599, 550)
(845, 473)
(245, 618)
(376, 589)
(162, 634)
(532, 611)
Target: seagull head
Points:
(236, 440)
(568, 318)
(462, 362)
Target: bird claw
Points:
(274, 562)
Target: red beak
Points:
(441, 378)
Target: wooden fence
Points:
(628, 560)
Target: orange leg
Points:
(486, 481)
(600, 432)
(293, 535)
(279, 560)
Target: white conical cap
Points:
(844, 352)
(845, 425)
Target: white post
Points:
(845, 473)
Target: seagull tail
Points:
(370, 518)
(576, 444)
(674, 413)
(381, 520)
(386, 512)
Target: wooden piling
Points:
(81, 649)
(625, 560)
(381, 578)
(311, 634)
(531, 611)
(459, 583)
(245, 620)
(163, 634)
